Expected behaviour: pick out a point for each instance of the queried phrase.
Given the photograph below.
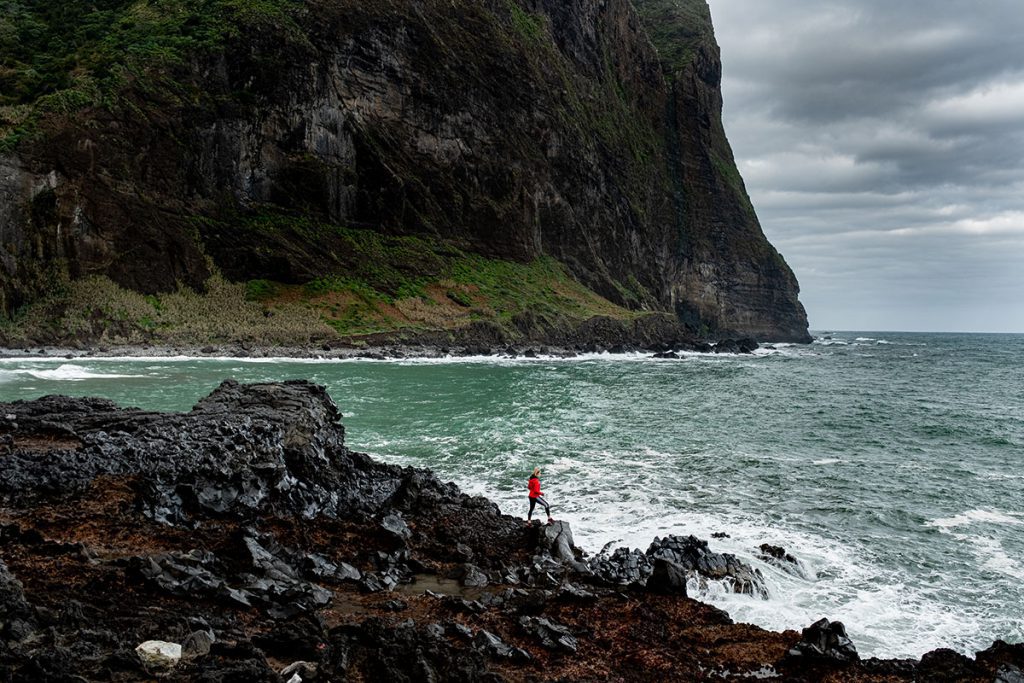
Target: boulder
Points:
(826, 640)
(622, 567)
(159, 654)
(668, 578)
(472, 577)
(197, 644)
(1008, 673)
(777, 556)
(556, 538)
(396, 526)
(944, 664)
(551, 635)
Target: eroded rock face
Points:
(516, 129)
(242, 450)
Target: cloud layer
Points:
(882, 144)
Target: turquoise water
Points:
(889, 463)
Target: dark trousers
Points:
(543, 503)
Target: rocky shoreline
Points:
(654, 333)
(243, 541)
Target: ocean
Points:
(889, 464)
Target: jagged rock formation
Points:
(245, 532)
(513, 128)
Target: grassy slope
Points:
(397, 283)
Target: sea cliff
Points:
(355, 167)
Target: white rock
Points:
(159, 653)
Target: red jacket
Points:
(535, 487)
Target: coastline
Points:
(379, 352)
(653, 332)
(485, 572)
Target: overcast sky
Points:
(882, 144)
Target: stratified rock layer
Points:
(514, 128)
(245, 536)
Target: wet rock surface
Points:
(695, 557)
(825, 639)
(246, 536)
(777, 556)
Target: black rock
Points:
(1008, 673)
(726, 346)
(747, 345)
(294, 639)
(463, 552)
(472, 577)
(944, 664)
(556, 538)
(459, 630)
(622, 567)
(668, 578)
(197, 644)
(694, 556)
(13, 606)
(826, 640)
(551, 635)
(376, 651)
(491, 645)
(569, 592)
(396, 526)
(777, 556)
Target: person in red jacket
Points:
(536, 496)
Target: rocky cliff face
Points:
(728, 276)
(514, 129)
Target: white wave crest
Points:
(993, 557)
(69, 372)
(977, 516)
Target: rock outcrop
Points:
(245, 541)
(511, 128)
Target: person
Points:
(536, 496)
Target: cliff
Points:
(362, 144)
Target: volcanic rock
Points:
(107, 542)
(694, 556)
(667, 578)
(825, 639)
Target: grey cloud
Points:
(882, 144)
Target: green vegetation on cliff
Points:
(395, 283)
(47, 47)
(677, 28)
(61, 57)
